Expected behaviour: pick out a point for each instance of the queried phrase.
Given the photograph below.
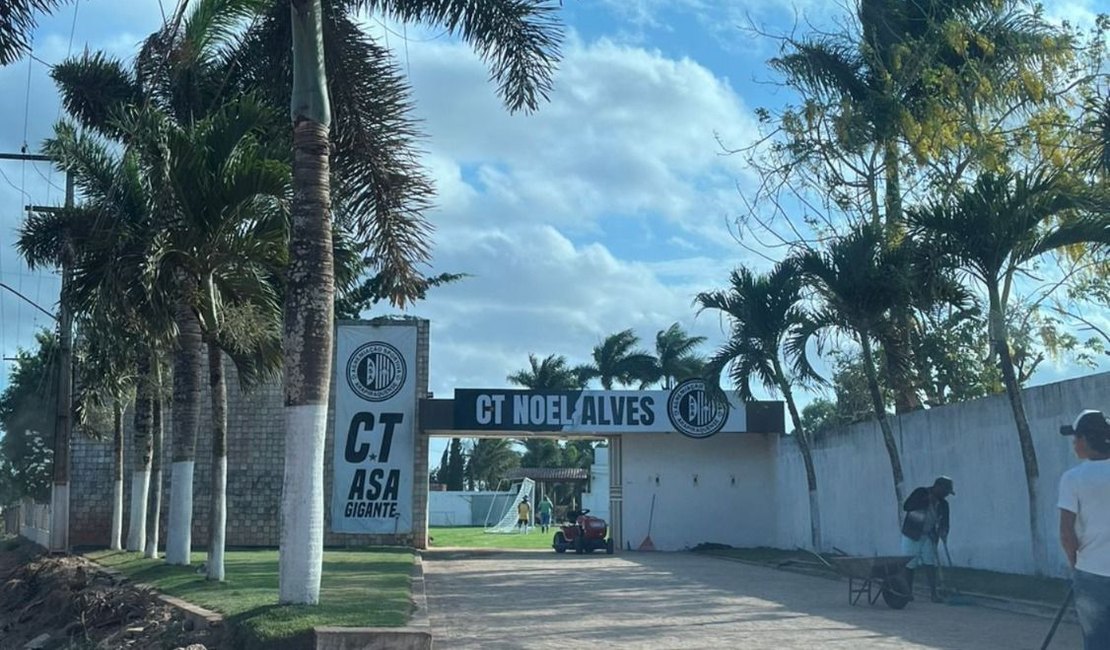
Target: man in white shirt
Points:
(1085, 525)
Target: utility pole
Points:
(63, 427)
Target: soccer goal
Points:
(507, 522)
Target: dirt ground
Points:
(529, 599)
(77, 606)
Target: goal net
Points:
(507, 523)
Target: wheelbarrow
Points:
(873, 577)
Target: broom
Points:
(647, 544)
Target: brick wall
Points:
(256, 448)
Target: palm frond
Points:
(518, 39)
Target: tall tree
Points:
(456, 466)
(618, 359)
(885, 95)
(520, 39)
(675, 357)
(27, 407)
(994, 230)
(552, 373)
(763, 311)
(858, 280)
(488, 460)
(18, 20)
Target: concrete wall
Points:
(466, 508)
(732, 501)
(597, 498)
(973, 442)
(256, 456)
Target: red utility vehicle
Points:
(583, 533)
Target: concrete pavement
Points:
(530, 599)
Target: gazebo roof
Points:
(549, 473)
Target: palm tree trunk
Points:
(807, 458)
(884, 423)
(117, 476)
(218, 511)
(309, 317)
(1001, 344)
(154, 500)
(140, 478)
(186, 416)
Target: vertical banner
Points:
(375, 408)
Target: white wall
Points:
(715, 509)
(597, 499)
(973, 442)
(455, 508)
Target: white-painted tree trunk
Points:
(179, 527)
(302, 504)
(154, 512)
(219, 520)
(136, 530)
(59, 517)
(117, 516)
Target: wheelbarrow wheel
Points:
(896, 593)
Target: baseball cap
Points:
(946, 483)
(1092, 425)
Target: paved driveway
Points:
(531, 599)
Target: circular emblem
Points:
(692, 411)
(376, 371)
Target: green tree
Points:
(993, 231)
(489, 460)
(763, 312)
(857, 280)
(675, 357)
(456, 466)
(552, 373)
(618, 359)
(520, 38)
(27, 408)
(17, 24)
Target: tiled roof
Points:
(549, 473)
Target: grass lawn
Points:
(991, 583)
(476, 537)
(359, 588)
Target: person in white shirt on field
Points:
(1085, 525)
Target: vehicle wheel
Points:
(896, 593)
(579, 547)
(560, 543)
(609, 546)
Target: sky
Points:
(609, 208)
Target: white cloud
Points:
(603, 211)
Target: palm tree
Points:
(106, 379)
(489, 460)
(520, 39)
(17, 21)
(224, 245)
(675, 358)
(552, 373)
(859, 280)
(763, 311)
(993, 231)
(876, 86)
(617, 359)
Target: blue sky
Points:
(607, 209)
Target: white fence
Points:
(34, 522)
(973, 442)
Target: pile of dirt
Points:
(53, 602)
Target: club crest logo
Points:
(376, 371)
(692, 411)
